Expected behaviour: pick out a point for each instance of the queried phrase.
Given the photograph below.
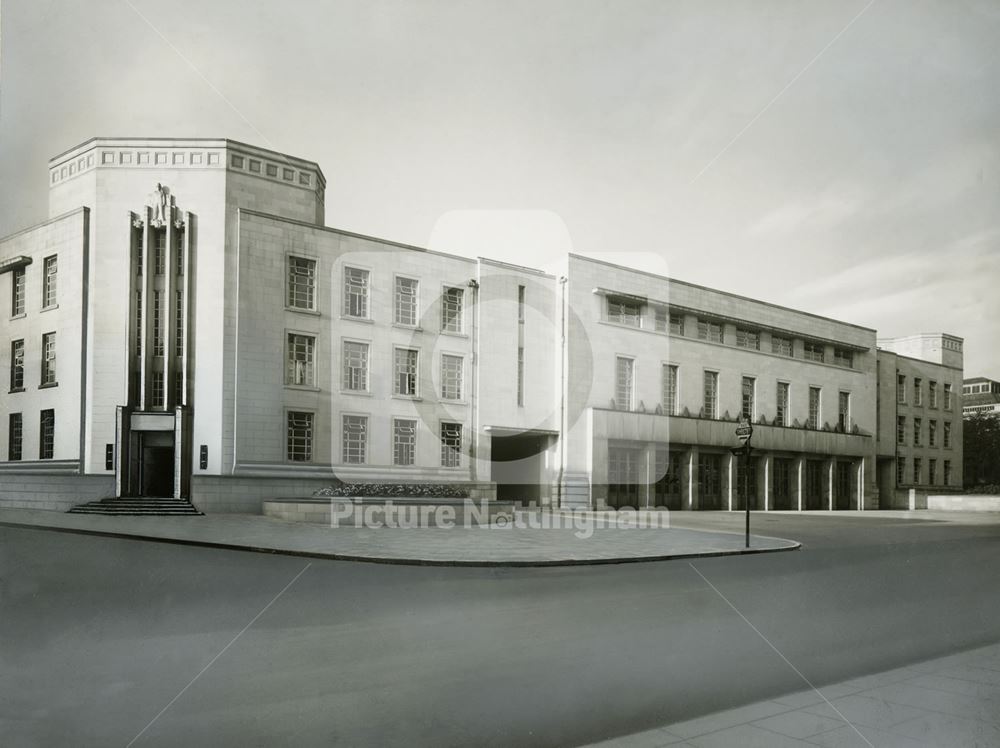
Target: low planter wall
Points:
(964, 503)
(370, 511)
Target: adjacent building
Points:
(186, 325)
(980, 396)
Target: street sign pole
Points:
(744, 432)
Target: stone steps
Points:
(137, 506)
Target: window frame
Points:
(309, 449)
(17, 369)
(626, 403)
(366, 369)
(670, 388)
(455, 453)
(710, 375)
(15, 436)
(459, 380)
(18, 292)
(414, 374)
(364, 421)
(782, 400)
(396, 443)
(397, 296)
(48, 372)
(349, 294)
(296, 281)
(752, 381)
(50, 282)
(46, 434)
(448, 323)
(292, 338)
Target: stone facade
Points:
(217, 341)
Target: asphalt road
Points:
(101, 638)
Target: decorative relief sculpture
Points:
(161, 201)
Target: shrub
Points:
(396, 490)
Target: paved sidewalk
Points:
(952, 701)
(474, 546)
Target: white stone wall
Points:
(66, 238)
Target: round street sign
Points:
(744, 430)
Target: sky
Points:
(838, 157)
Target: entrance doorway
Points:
(156, 464)
(623, 478)
(518, 466)
(843, 485)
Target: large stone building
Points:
(185, 325)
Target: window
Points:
(947, 434)
(749, 388)
(844, 411)
(932, 433)
(355, 440)
(931, 472)
(747, 339)
(947, 472)
(159, 252)
(624, 382)
(900, 471)
(843, 357)
(669, 390)
(138, 322)
(661, 319)
(404, 441)
(624, 312)
(451, 444)
(901, 430)
(900, 388)
(520, 304)
(711, 331)
(918, 394)
(405, 307)
(157, 323)
(451, 375)
(15, 435)
(179, 325)
(405, 371)
(916, 470)
(781, 346)
(451, 309)
(814, 352)
(932, 399)
(300, 369)
(711, 394)
(355, 366)
(815, 394)
(677, 324)
(158, 390)
(49, 283)
(356, 293)
(916, 431)
(520, 376)
(17, 366)
(46, 434)
(49, 358)
(17, 292)
(781, 411)
(299, 436)
(301, 283)
(947, 397)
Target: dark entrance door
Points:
(623, 482)
(843, 486)
(156, 466)
(518, 466)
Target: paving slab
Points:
(948, 701)
(588, 540)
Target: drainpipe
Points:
(562, 390)
(473, 451)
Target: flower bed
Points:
(394, 490)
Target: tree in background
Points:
(981, 446)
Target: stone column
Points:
(799, 483)
(689, 479)
(764, 467)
